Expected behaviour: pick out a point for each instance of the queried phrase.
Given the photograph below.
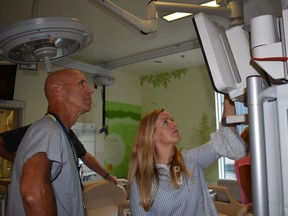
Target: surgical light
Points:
(41, 40)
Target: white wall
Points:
(126, 89)
(29, 87)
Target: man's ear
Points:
(57, 89)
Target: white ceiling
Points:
(114, 39)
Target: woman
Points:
(164, 181)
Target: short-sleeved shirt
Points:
(46, 135)
(13, 138)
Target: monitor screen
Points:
(7, 80)
(227, 55)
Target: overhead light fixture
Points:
(210, 4)
(175, 16)
(103, 79)
(40, 40)
(179, 15)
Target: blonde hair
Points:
(143, 157)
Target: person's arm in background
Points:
(4, 153)
(229, 109)
(9, 142)
(91, 162)
(245, 175)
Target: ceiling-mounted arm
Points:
(145, 26)
(233, 11)
(35, 6)
(192, 8)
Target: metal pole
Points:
(34, 8)
(255, 86)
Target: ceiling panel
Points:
(114, 39)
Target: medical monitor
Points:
(226, 54)
(7, 80)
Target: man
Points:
(10, 140)
(45, 179)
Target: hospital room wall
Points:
(29, 87)
(190, 99)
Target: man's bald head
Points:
(68, 91)
(58, 79)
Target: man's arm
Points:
(4, 153)
(94, 165)
(88, 159)
(35, 187)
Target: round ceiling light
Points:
(34, 40)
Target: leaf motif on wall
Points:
(204, 129)
(163, 79)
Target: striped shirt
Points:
(192, 197)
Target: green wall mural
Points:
(204, 131)
(162, 79)
(122, 121)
